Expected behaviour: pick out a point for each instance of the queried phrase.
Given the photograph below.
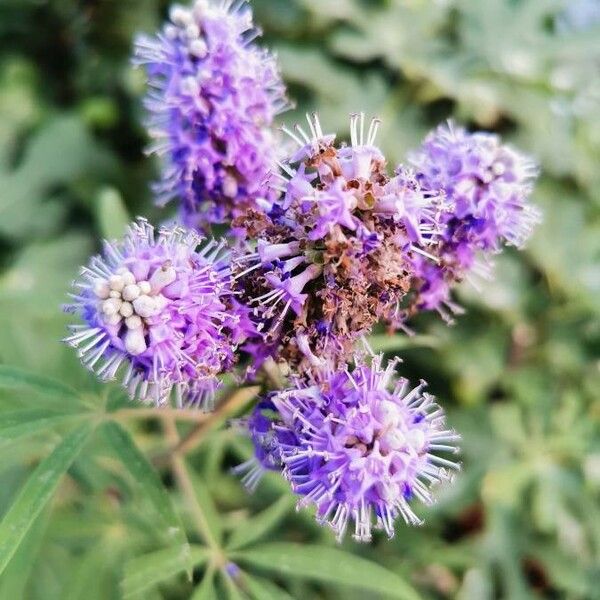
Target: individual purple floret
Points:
(212, 100)
(359, 446)
(159, 307)
(487, 187)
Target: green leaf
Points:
(144, 572)
(61, 151)
(16, 575)
(37, 492)
(15, 378)
(19, 423)
(112, 214)
(148, 480)
(209, 511)
(258, 526)
(328, 565)
(206, 590)
(263, 589)
(389, 343)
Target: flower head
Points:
(159, 306)
(487, 187)
(335, 257)
(213, 97)
(359, 446)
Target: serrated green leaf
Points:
(329, 565)
(259, 525)
(149, 482)
(37, 492)
(145, 572)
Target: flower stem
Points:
(186, 486)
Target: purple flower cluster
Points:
(358, 445)
(330, 242)
(158, 308)
(213, 95)
(335, 255)
(487, 186)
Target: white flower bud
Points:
(162, 277)
(200, 8)
(192, 31)
(101, 289)
(198, 48)
(116, 282)
(393, 440)
(131, 292)
(135, 343)
(126, 309)
(145, 287)
(145, 306)
(128, 278)
(230, 186)
(111, 306)
(498, 168)
(114, 319)
(416, 438)
(133, 322)
(180, 15)
(190, 86)
(171, 32)
(114, 294)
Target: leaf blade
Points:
(144, 572)
(329, 565)
(15, 378)
(37, 491)
(148, 480)
(20, 423)
(261, 524)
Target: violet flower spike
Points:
(159, 308)
(213, 98)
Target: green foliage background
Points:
(93, 508)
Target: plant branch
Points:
(230, 405)
(186, 486)
(183, 414)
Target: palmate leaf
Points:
(145, 572)
(151, 486)
(37, 492)
(329, 565)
